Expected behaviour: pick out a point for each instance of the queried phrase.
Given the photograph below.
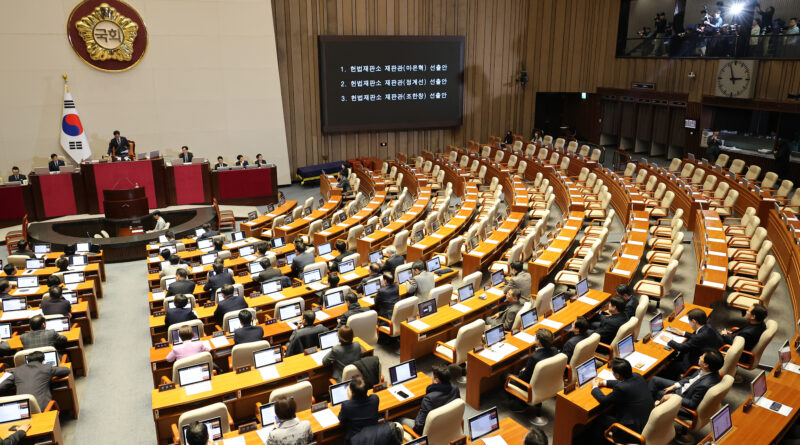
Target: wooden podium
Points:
(125, 204)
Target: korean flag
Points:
(73, 138)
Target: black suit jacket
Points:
(187, 157)
(391, 264)
(693, 395)
(233, 303)
(218, 165)
(631, 399)
(60, 306)
(385, 300)
(209, 234)
(180, 287)
(691, 350)
(53, 166)
(357, 414)
(13, 178)
(217, 281)
(120, 149)
(34, 378)
(303, 338)
(610, 325)
(178, 315)
(247, 334)
(751, 334)
(538, 355)
(300, 262)
(569, 345)
(268, 274)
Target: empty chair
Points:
(301, 392)
(242, 354)
(784, 189)
(530, 149)
(468, 338)
(697, 176)
(662, 210)
(403, 310)
(571, 278)
(659, 429)
(452, 254)
(559, 144)
(401, 242)
(444, 425)
(658, 269)
(722, 160)
(750, 266)
(663, 227)
(744, 300)
(736, 167)
(770, 178)
(441, 294)
(544, 299)
(585, 149)
(674, 165)
(572, 147)
(733, 353)
(564, 165)
(546, 381)
(212, 411)
(725, 208)
(596, 153)
(655, 289)
(486, 151)
(687, 170)
(749, 284)
(753, 172)
(365, 326)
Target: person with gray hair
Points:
(393, 260)
(421, 283)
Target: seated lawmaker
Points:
(180, 313)
(421, 282)
(353, 307)
(374, 270)
(535, 436)
(188, 347)
(230, 303)
(302, 258)
(220, 163)
(268, 272)
(387, 297)
(218, 246)
(241, 162)
(197, 434)
(55, 303)
(507, 316)
(610, 324)
(55, 163)
(16, 176)
(394, 259)
(438, 394)
(208, 232)
(580, 331)
(11, 272)
(289, 430)
(5, 286)
(39, 336)
(24, 248)
(343, 183)
(544, 350)
(751, 332)
(703, 338)
(62, 263)
(171, 269)
(630, 398)
(345, 353)
(247, 332)
(182, 284)
(520, 279)
(359, 411)
(341, 247)
(34, 378)
(693, 387)
(306, 335)
(186, 155)
(218, 277)
(624, 291)
(118, 146)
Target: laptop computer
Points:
(427, 308)
(385, 221)
(190, 375)
(176, 339)
(252, 215)
(162, 239)
(403, 372)
(72, 297)
(267, 356)
(326, 224)
(82, 247)
(498, 278)
(559, 302)
(347, 266)
(582, 287)
(465, 293)
(14, 304)
(369, 229)
(268, 417)
(419, 235)
(721, 423)
(246, 251)
(205, 244)
(271, 287)
(60, 324)
(41, 249)
(371, 287)
(759, 386)
(237, 236)
(289, 312)
(587, 371)
(433, 264)
(529, 318)
(290, 258)
(5, 331)
(656, 324)
(328, 339)
(333, 299)
(214, 427)
(233, 324)
(28, 282)
(375, 256)
(483, 424)
(74, 278)
(78, 260)
(278, 242)
(168, 281)
(678, 305)
(199, 232)
(34, 263)
(14, 411)
(324, 249)
(403, 276)
(625, 346)
(208, 258)
(312, 276)
(338, 392)
(494, 335)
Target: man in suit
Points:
(197, 434)
(520, 279)
(374, 272)
(171, 269)
(11, 272)
(630, 398)
(359, 411)
(55, 303)
(16, 176)
(393, 260)
(182, 284)
(24, 248)
(55, 163)
(269, 272)
(208, 232)
(247, 332)
(230, 303)
(693, 387)
(306, 335)
(421, 281)
(262, 248)
(704, 337)
(353, 308)
(341, 247)
(580, 331)
(34, 378)
(751, 332)
(302, 258)
(186, 155)
(507, 316)
(218, 277)
(180, 313)
(387, 296)
(118, 146)
(610, 324)
(241, 162)
(220, 163)
(39, 336)
(345, 353)
(218, 246)
(4, 288)
(544, 350)
(624, 291)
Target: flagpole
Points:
(66, 85)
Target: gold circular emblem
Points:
(108, 35)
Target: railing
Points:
(693, 45)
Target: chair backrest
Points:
(521, 168)
(710, 181)
(512, 161)
(237, 287)
(669, 274)
(674, 165)
(19, 356)
(518, 318)
(722, 160)
(468, 338)
(559, 143)
(365, 326)
(721, 190)
(218, 409)
(544, 299)
(764, 340)
(753, 172)
(498, 156)
(242, 355)
(596, 153)
(641, 311)
(758, 238)
(736, 166)
(530, 149)
(630, 169)
(554, 158)
(784, 189)
(18, 260)
(564, 163)
(235, 314)
(301, 392)
(583, 174)
(350, 372)
(766, 268)
(660, 190)
(548, 378)
(542, 154)
(403, 310)
(585, 149)
(659, 429)
(486, 151)
(732, 356)
(698, 175)
(651, 183)
(190, 323)
(445, 423)
(547, 140)
(730, 198)
(440, 293)
(583, 351)
(769, 180)
(687, 170)
(623, 331)
(314, 227)
(712, 401)
(475, 279)
(33, 405)
(401, 242)
(669, 196)
(195, 359)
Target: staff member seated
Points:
(118, 146)
(188, 348)
(544, 350)
(506, 316)
(39, 337)
(230, 303)
(624, 291)
(55, 303)
(521, 280)
(610, 324)
(34, 378)
(289, 430)
(421, 282)
(268, 272)
(345, 353)
(703, 338)
(306, 335)
(630, 398)
(751, 332)
(693, 387)
(24, 248)
(55, 163)
(387, 296)
(247, 332)
(343, 183)
(241, 162)
(439, 393)
(220, 163)
(302, 258)
(182, 284)
(359, 411)
(208, 232)
(218, 277)
(186, 155)
(180, 312)
(16, 176)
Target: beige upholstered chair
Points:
(474, 279)
(301, 392)
(752, 284)
(584, 350)
(674, 165)
(235, 314)
(737, 166)
(452, 254)
(659, 429)
(190, 297)
(290, 302)
(365, 326)
(544, 299)
(743, 300)
(753, 357)
(18, 260)
(440, 293)
(571, 278)
(401, 242)
(655, 289)
(753, 172)
(546, 381)
(192, 360)
(641, 311)
(468, 338)
(722, 160)
(212, 411)
(403, 310)
(733, 353)
(658, 269)
(242, 355)
(33, 405)
(662, 210)
(19, 356)
(190, 323)
(443, 424)
(710, 404)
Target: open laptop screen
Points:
(433, 264)
(312, 276)
(78, 260)
(268, 356)
(656, 324)
(721, 423)
(759, 386)
(582, 287)
(82, 247)
(237, 236)
(247, 251)
(465, 292)
(375, 256)
(234, 324)
(484, 423)
(347, 266)
(214, 427)
(427, 308)
(194, 374)
(271, 287)
(41, 248)
(498, 277)
(289, 312)
(278, 242)
(495, 335)
(13, 304)
(333, 299)
(324, 249)
(208, 258)
(176, 339)
(587, 371)
(14, 411)
(73, 278)
(27, 282)
(60, 324)
(254, 267)
(34, 263)
(339, 392)
(50, 358)
(559, 302)
(267, 414)
(625, 346)
(371, 287)
(5, 330)
(328, 339)
(403, 276)
(403, 372)
(529, 318)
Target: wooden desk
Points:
(80, 313)
(510, 431)
(253, 228)
(341, 230)
(64, 393)
(74, 349)
(50, 261)
(711, 250)
(45, 429)
(91, 277)
(293, 230)
(437, 242)
(629, 254)
(552, 255)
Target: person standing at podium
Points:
(186, 155)
(118, 146)
(15, 175)
(55, 163)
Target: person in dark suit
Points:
(55, 163)
(39, 336)
(782, 154)
(302, 258)
(260, 162)
(693, 387)
(393, 260)
(16, 176)
(580, 331)
(34, 378)
(508, 315)
(186, 155)
(624, 291)
(521, 280)
(4, 287)
(387, 296)
(118, 146)
(610, 324)
(180, 312)
(11, 272)
(24, 248)
(208, 232)
(247, 332)
(714, 146)
(241, 162)
(220, 163)
(359, 411)
(353, 308)
(544, 350)
(341, 247)
(374, 272)
(269, 272)
(630, 398)
(218, 246)
(704, 337)
(439, 393)
(182, 284)
(230, 302)
(306, 335)
(751, 332)
(197, 434)
(218, 277)
(55, 303)
(343, 183)
(18, 435)
(345, 353)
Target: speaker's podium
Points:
(125, 204)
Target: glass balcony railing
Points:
(692, 45)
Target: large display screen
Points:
(390, 82)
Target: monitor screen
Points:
(582, 287)
(234, 324)
(495, 335)
(721, 422)
(214, 427)
(403, 276)
(278, 242)
(205, 244)
(5, 330)
(334, 299)
(403, 372)
(72, 297)
(289, 312)
(465, 292)
(307, 211)
(268, 356)
(529, 318)
(13, 304)
(342, 217)
(656, 324)
(41, 248)
(324, 249)
(60, 324)
(14, 411)
(587, 371)
(678, 305)
(169, 281)
(162, 239)
(50, 358)
(78, 260)
(237, 236)
(339, 392)
(194, 374)
(759, 385)
(328, 339)
(254, 267)
(208, 258)
(82, 247)
(433, 264)
(498, 277)
(427, 308)
(27, 282)
(326, 224)
(371, 287)
(73, 278)
(271, 287)
(625, 346)
(288, 220)
(176, 339)
(559, 302)
(484, 423)
(385, 221)
(347, 266)
(270, 207)
(247, 250)
(252, 215)
(375, 256)
(312, 276)
(290, 258)
(369, 229)
(267, 414)
(33, 264)
(419, 235)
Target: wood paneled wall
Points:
(565, 45)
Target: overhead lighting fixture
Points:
(737, 8)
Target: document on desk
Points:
(319, 355)
(269, 372)
(263, 433)
(158, 296)
(249, 257)
(220, 342)
(621, 271)
(197, 388)
(606, 374)
(494, 440)
(791, 367)
(317, 285)
(322, 316)
(72, 287)
(630, 257)
(551, 323)
(401, 392)
(238, 440)
(587, 300)
(524, 336)
(641, 361)
(461, 307)
(495, 291)
(554, 249)
(326, 418)
(563, 238)
(437, 236)
(419, 325)
(370, 300)
(497, 353)
(766, 403)
(350, 276)
(542, 262)
(328, 257)
(451, 226)
(665, 337)
(291, 325)
(492, 241)
(276, 296)
(197, 269)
